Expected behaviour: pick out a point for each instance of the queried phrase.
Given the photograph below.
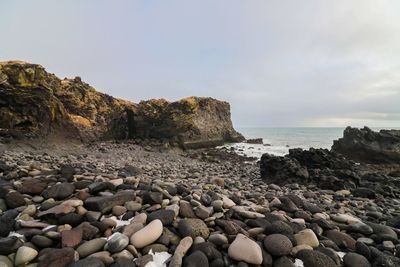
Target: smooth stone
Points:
(41, 241)
(345, 218)
(133, 206)
(193, 227)
(218, 239)
(186, 210)
(306, 237)
(104, 256)
(91, 247)
(9, 245)
(227, 202)
(278, 245)
(59, 191)
(25, 255)
(355, 260)
(118, 210)
(152, 197)
(5, 262)
(245, 249)
(147, 235)
(14, 200)
(71, 238)
(180, 251)
(298, 248)
(203, 212)
(341, 239)
(117, 242)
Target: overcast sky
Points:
(279, 63)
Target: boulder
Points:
(366, 145)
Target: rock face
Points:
(192, 122)
(368, 146)
(34, 103)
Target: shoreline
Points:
(212, 195)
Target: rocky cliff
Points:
(368, 146)
(34, 102)
(192, 122)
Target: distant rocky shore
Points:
(137, 195)
(35, 103)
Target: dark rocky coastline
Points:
(143, 194)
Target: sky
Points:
(314, 63)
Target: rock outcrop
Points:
(191, 122)
(36, 103)
(321, 167)
(368, 146)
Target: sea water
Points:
(278, 141)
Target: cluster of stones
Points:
(57, 214)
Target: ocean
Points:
(278, 141)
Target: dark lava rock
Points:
(196, 259)
(279, 227)
(330, 252)
(123, 263)
(7, 222)
(165, 216)
(230, 227)
(282, 170)
(105, 204)
(14, 200)
(278, 245)
(287, 204)
(51, 257)
(355, 260)
(9, 245)
(312, 258)
(364, 192)
(193, 227)
(369, 146)
(152, 197)
(59, 191)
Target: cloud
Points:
(279, 63)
